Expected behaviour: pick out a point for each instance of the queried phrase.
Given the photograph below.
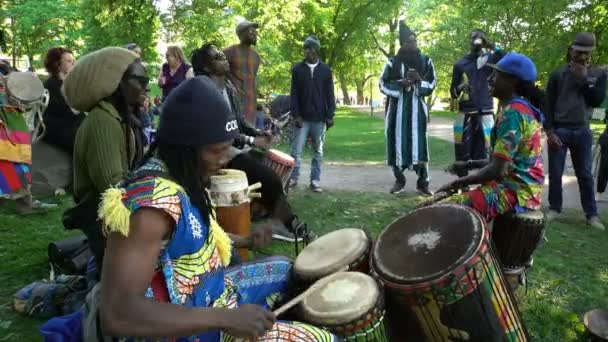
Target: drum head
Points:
(427, 244)
(345, 297)
(281, 157)
(330, 253)
(25, 86)
(228, 180)
(533, 215)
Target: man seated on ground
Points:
(108, 84)
(165, 271)
(512, 180)
(210, 62)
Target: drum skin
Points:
(341, 250)
(350, 305)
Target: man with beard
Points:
(475, 119)
(407, 78)
(244, 64)
(572, 92)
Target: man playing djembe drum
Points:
(166, 256)
(512, 180)
(209, 61)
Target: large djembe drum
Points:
(348, 304)
(442, 279)
(281, 163)
(341, 250)
(229, 193)
(516, 236)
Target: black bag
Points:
(70, 256)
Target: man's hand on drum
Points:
(261, 237)
(452, 186)
(456, 167)
(248, 321)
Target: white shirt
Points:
(312, 67)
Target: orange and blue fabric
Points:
(517, 138)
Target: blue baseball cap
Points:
(518, 65)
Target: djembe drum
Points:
(341, 250)
(281, 163)
(26, 92)
(442, 280)
(229, 193)
(516, 236)
(350, 305)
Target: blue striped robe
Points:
(406, 115)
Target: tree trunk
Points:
(344, 88)
(360, 91)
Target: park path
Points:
(379, 178)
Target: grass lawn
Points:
(569, 277)
(358, 138)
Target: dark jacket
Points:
(570, 100)
(60, 122)
(480, 97)
(312, 96)
(246, 130)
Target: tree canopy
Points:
(356, 35)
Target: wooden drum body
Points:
(281, 163)
(516, 237)
(442, 280)
(350, 305)
(229, 193)
(341, 250)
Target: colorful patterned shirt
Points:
(244, 65)
(517, 138)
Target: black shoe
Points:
(397, 187)
(302, 231)
(424, 191)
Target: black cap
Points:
(196, 114)
(584, 41)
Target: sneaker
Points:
(397, 187)
(594, 221)
(601, 197)
(551, 215)
(424, 191)
(315, 186)
(292, 184)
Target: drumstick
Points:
(436, 198)
(296, 300)
(253, 187)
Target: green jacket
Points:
(101, 159)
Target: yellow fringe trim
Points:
(113, 213)
(222, 241)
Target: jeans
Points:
(579, 141)
(317, 131)
(602, 177)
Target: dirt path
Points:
(379, 178)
